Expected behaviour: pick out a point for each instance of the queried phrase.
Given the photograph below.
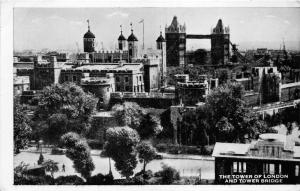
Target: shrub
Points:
(69, 180)
(168, 175)
(41, 159)
(100, 179)
(33, 180)
(146, 175)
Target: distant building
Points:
(101, 87)
(271, 154)
(128, 76)
(21, 83)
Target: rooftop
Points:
(135, 67)
(260, 149)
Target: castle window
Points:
(117, 79)
(66, 78)
(127, 88)
(74, 78)
(235, 167)
(140, 78)
(126, 79)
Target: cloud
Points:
(36, 20)
(271, 16)
(77, 23)
(242, 21)
(117, 14)
(286, 22)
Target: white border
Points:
(6, 84)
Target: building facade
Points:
(271, 154)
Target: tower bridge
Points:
(176, 37)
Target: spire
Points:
(121, 28)
(131, 28)
(88, 21)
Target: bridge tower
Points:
(175, 43)
(220, 44)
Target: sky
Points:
(62, 28)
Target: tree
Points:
(149, 126)
(79, 152)
(146, 153)
(121, 147)
(131, 114)
(128, 114)
(227, 112)
(50, 166)
(65, 107)
(225, 128)
(22, 130)
(57, 126)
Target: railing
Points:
(142, 95)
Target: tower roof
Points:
(160, 38)
(89, 34)
(175, 26)
(121, 37)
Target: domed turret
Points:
(159, 41)
(132, 45)
(122, 41)
(89, 40)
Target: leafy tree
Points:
(79, 152)
(22, 129)
(227, 112)
(57, 126)
(150, 126)
(121, 147)
(50, 166)
(146, 153)
(128, 114)
(65, 107)
(224, 127)
(131, 114)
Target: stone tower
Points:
(89, 40)
(176, 43)
(220, 44)
(132, 45)
(161, 46)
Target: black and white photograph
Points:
(155, 95)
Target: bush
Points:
(100, 179)
(146, 175)
(69, 180)
(41, 159)
(168, 175)
(33, 180)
